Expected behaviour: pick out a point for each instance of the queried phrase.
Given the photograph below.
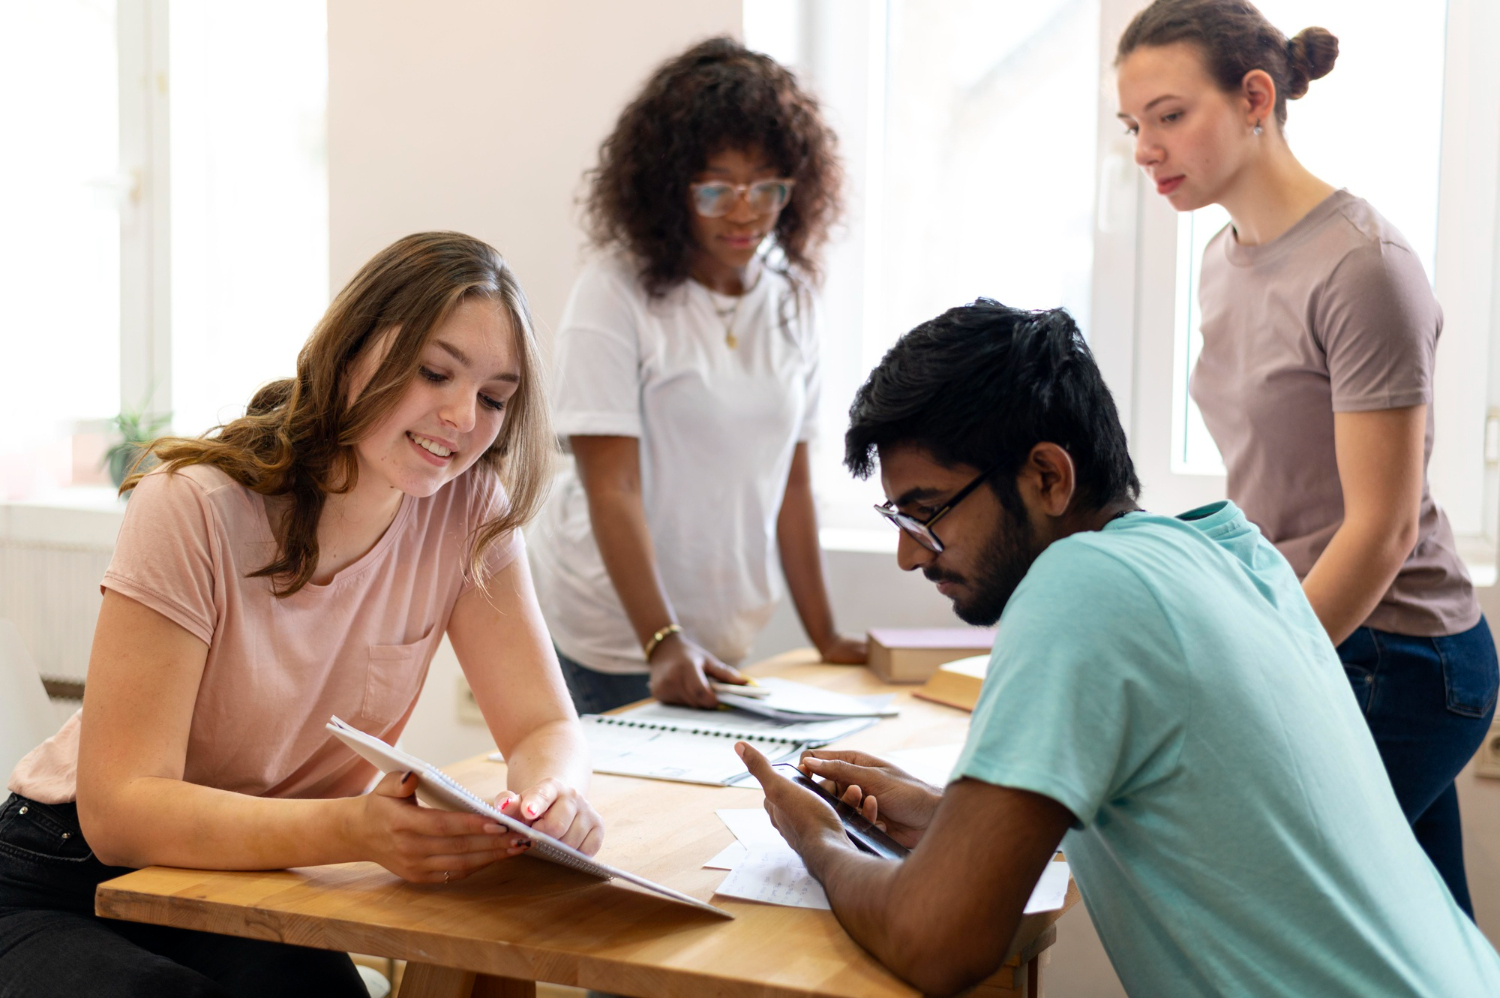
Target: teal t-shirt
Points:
(1166, 680)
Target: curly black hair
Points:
(981, 385)
(717, 95)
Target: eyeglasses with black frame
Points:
(921, 530)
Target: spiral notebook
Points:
(663, 742)
(437, 789)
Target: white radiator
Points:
(52, 559)
(51, 593)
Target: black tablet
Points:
(860, 830)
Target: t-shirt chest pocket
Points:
(392, 680)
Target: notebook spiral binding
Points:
(716, 732)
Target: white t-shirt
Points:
(717, 429)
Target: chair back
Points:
(27, 717)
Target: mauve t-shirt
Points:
(276, 669)
(1334, 315)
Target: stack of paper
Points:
(784, 700)
(762, 867)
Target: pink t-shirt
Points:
(276, 669)
(1334, 315)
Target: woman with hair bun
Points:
(1315, 380)
(687, 387)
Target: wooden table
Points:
(526, 920)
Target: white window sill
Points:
(91, 516)
(1478, 553)
(860, 540)
(82, 516)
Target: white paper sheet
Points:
(1050, 890)
(762, 867)
(774, 876)
(729, 857)
(933, 764)
(752, 826)
(788, 701)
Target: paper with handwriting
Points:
(762, 867)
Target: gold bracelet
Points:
(661, 636)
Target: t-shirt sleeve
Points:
(1379, 322)
(597, 389)
(812, 372)
(167, 555)
(1085, 697)
(487, 503)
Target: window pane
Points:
(989, 158)
(968, 129)
(1345, 132)
(249, 199)
(60, 258)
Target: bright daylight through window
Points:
(60, 258)
(1362, 97)
(242, 210)
(968, 131)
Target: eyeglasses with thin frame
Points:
(717, 198)
(921, 530)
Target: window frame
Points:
(145, 210)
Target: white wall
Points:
(482, 116)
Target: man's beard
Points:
(1002, 564)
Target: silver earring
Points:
(1258, 129)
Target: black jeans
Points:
(52, 943)
(594, 692)
(1429, 702)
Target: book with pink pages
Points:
(437, 789)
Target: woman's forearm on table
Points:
(154, 821)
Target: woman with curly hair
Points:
(303, 561)
(687, 387)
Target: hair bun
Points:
(1310, 55)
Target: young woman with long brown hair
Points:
(305, 560)
(1315, 380)
(687, 387)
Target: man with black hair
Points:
(1161, 701)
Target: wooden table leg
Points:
(1022, 976)
(486, 986)
(424, 980)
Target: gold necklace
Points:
(730, 340)
(729, 316)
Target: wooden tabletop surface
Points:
(532, 920)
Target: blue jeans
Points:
(1429, 702)
(52, 943)
(594, 692)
